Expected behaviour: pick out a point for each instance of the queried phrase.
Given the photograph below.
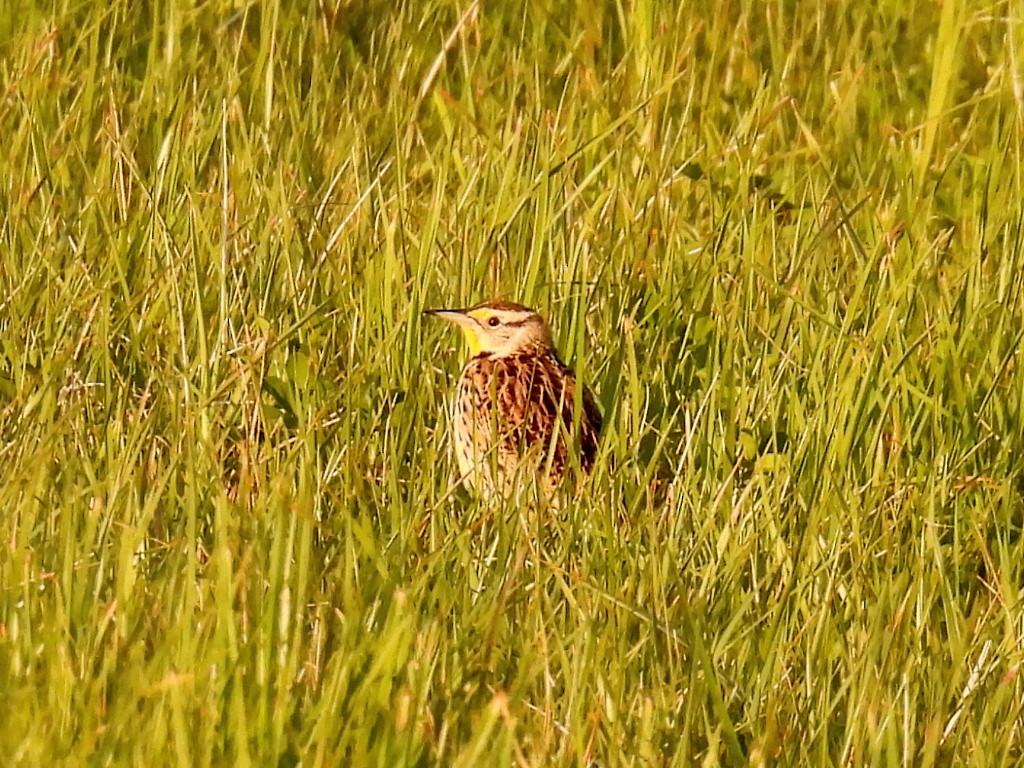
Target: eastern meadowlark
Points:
(514, 411)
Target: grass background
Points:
(782, 240)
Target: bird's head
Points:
(499, 328)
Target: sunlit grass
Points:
(783, 242)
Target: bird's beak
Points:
(457, 316)
(464, 321)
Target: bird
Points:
(518, 410)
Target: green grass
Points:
(783, 241)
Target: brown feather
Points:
(502, 306)
(514, 414)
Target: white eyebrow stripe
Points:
(513, 318)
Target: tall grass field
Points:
(782, 241)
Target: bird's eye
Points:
(494, 322)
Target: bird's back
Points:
(513, 416)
